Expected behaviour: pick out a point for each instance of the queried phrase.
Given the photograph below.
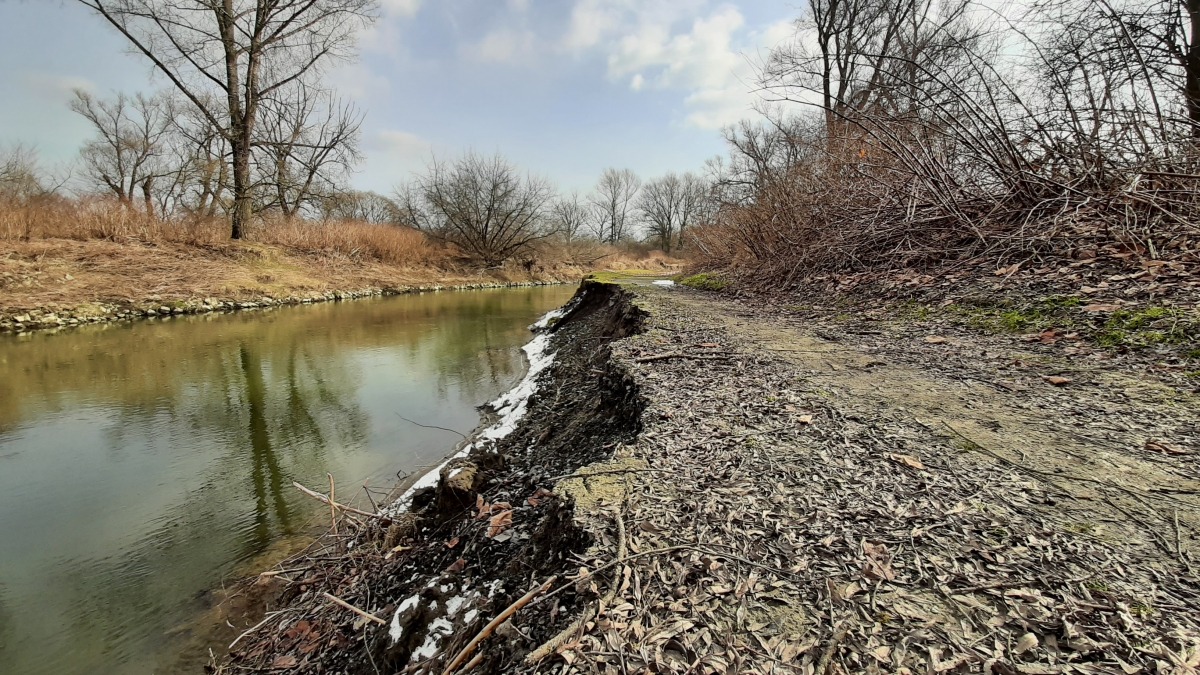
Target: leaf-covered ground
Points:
(889, 500)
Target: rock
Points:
(461, 480)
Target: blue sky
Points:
(565, 88)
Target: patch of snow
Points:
(470, 616)
(454, 604)
(396, 630)
(438, 629)
(455, 473)
(544, 322)
(512, 404)
(663, 282)
(493, 587)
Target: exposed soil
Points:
(468, 548)
(750, 486)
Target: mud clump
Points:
(493, 527)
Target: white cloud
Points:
(56, 88)
(504, 45)
(403, 144)
(676, 45)
(400, 7)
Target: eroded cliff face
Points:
(465, 542)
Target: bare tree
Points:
(247, 50)
(309, 143)
(613, 203)
(570, 216)
(671, 204)
(659, 203)
(485, 206)
(858, 55)
(129, 152)
(695, 204)
(21, 177)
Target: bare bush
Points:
(481, 204)
(1067, 125)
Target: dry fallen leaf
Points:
(538, 497)
(805, 419)
(1028, 641)
(907, 460)
(935, 339)
(456, 566)
(499, 523)
(287, 661)
(1100, 307)
(1056, 380)
(452, 543)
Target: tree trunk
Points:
(1192, 67)
(148, 196)
(241, 188)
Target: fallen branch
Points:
(320, 497)
(679, 355)
(352, 608)
(500, 618)
(823, 664)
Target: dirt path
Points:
(801, 501)
(1087, 437)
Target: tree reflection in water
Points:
(158, 456)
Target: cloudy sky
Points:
(563, 87)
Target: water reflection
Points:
(140, 462)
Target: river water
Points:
(143, 463)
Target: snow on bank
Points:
(663, 282)
(511, 407)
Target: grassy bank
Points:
(64, 262)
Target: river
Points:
(143, 463)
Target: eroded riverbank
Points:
(780, 501)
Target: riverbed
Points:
(143, 463)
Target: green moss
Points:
(1192, 373)
(703, 281)
(1149, 326)
(1004, 316)
(1194, 354)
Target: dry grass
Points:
(88, 219)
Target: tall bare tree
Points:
(614, 204)
(861, 55)
(129, 153)
(659, 203)
(671, 204)
(245, 50)
(695, 204)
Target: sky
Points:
(564, 88)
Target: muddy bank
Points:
(467, 541)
